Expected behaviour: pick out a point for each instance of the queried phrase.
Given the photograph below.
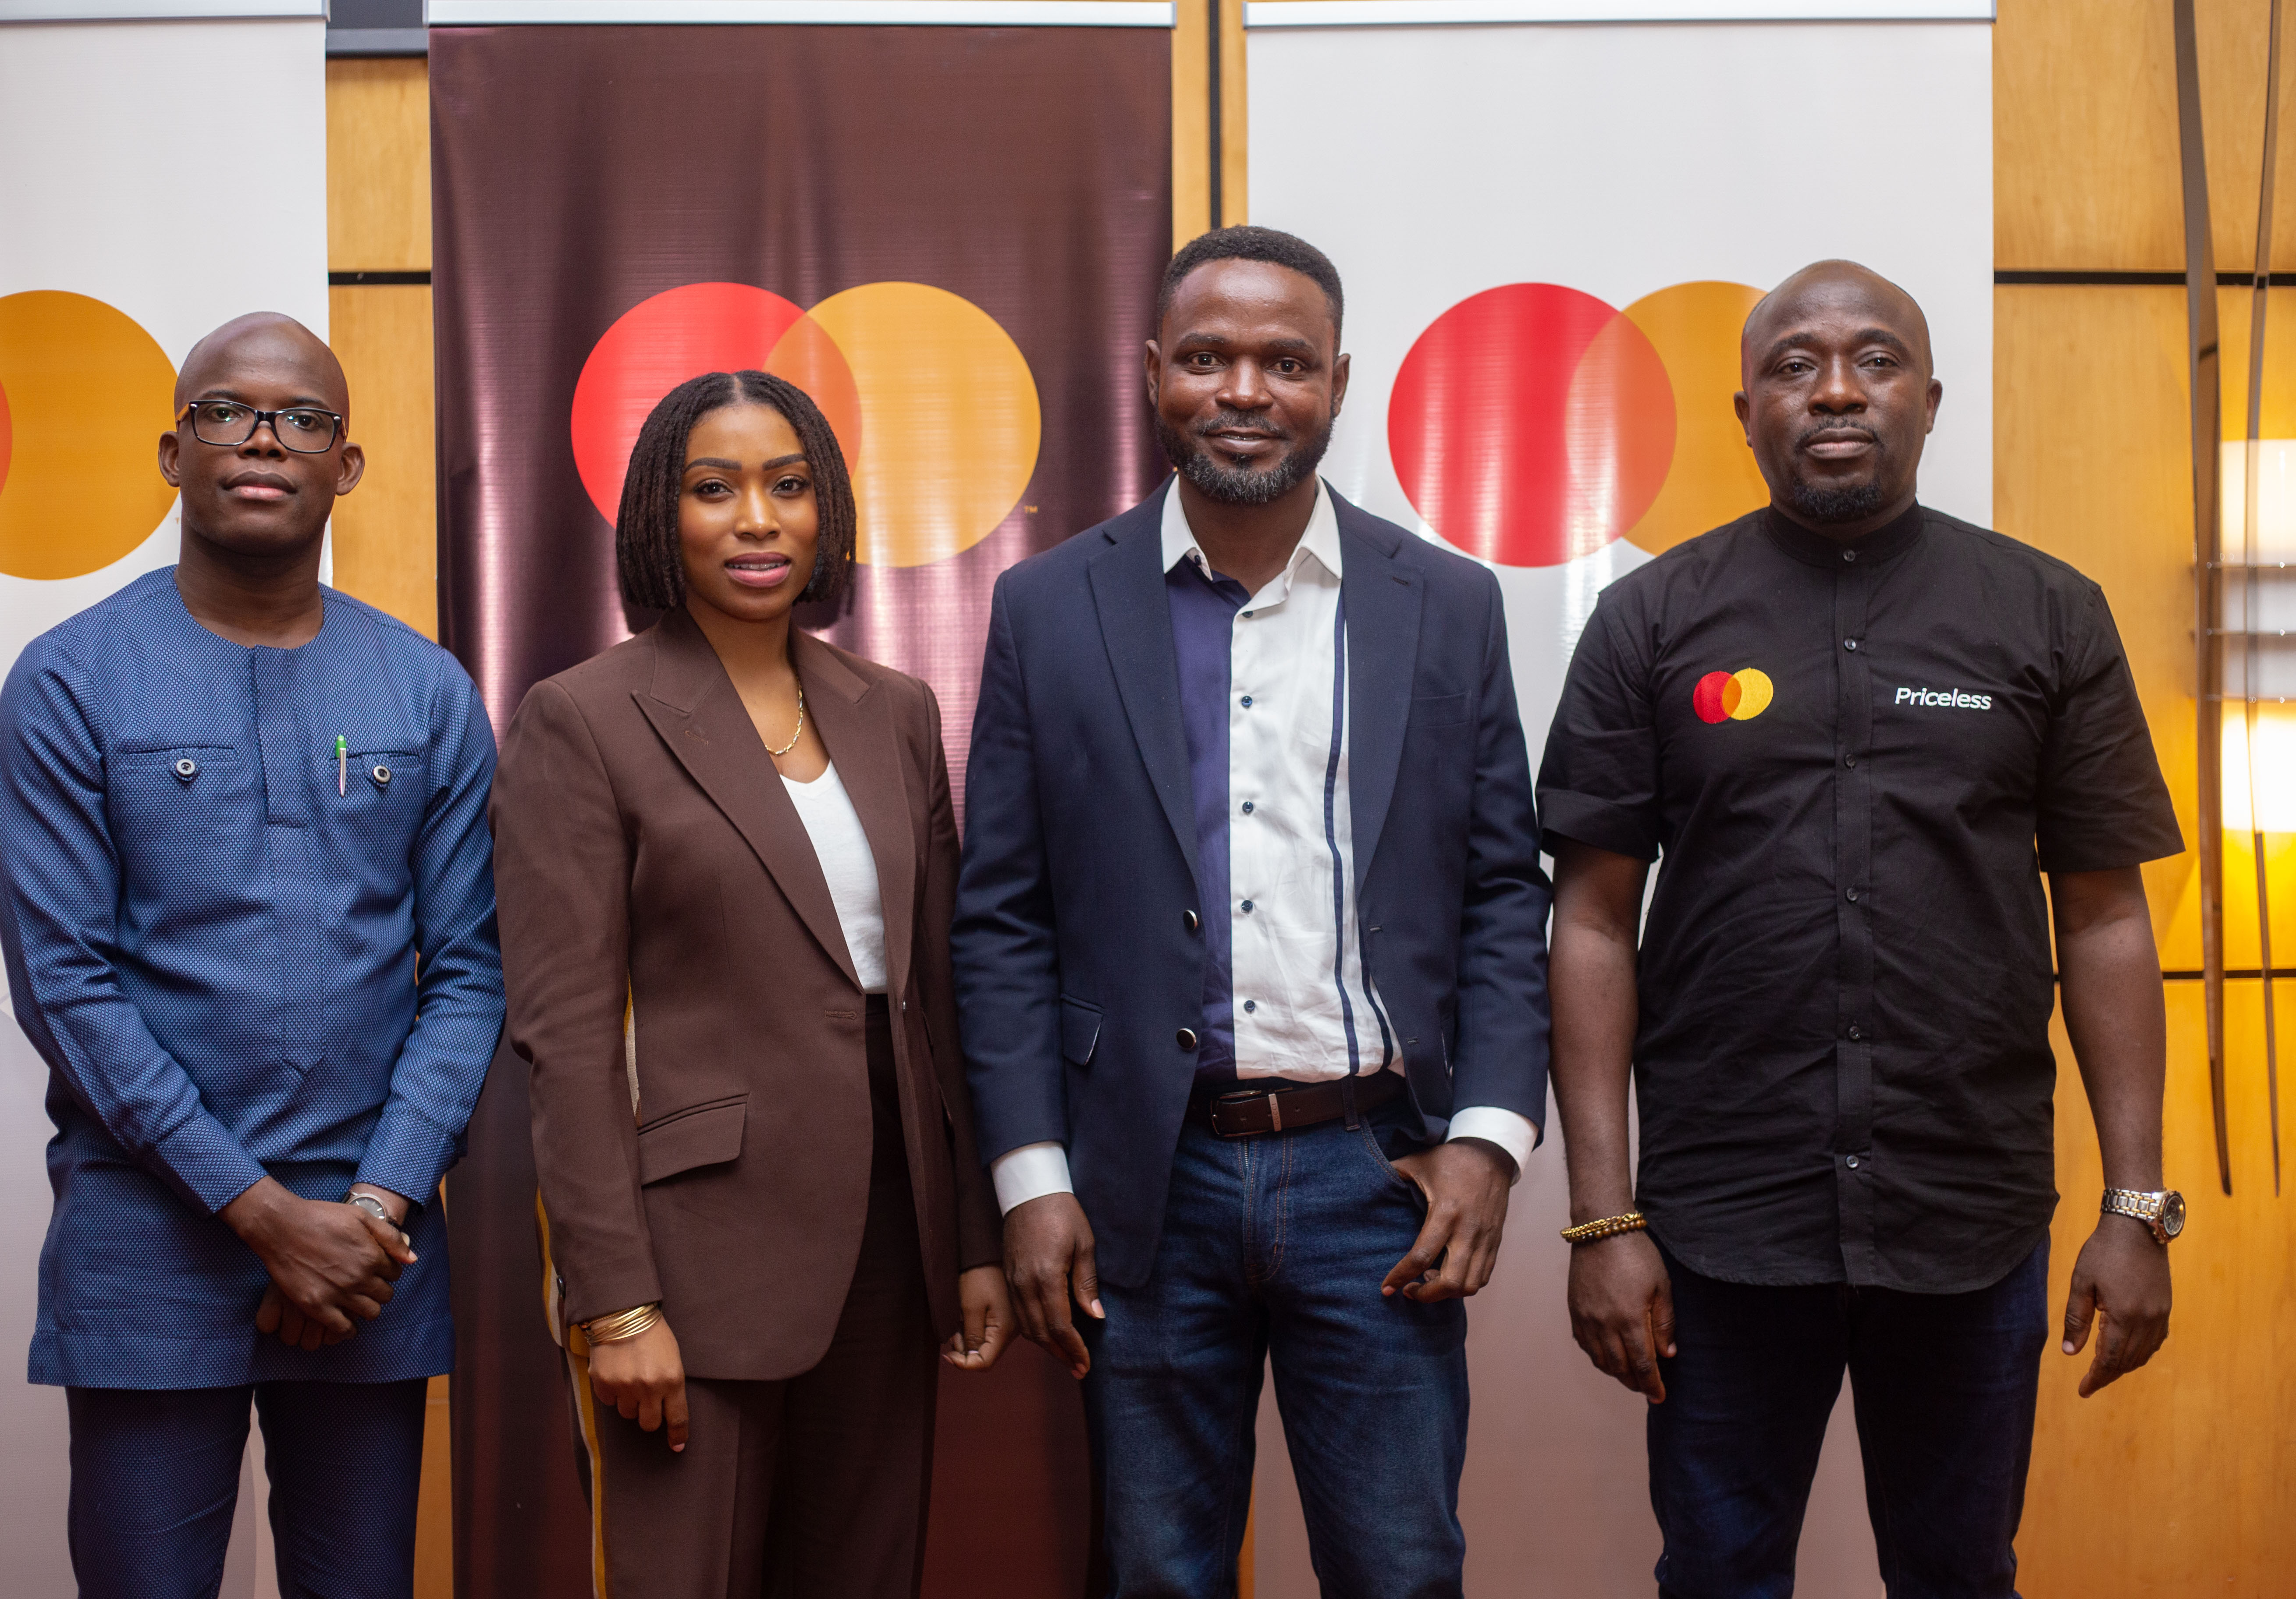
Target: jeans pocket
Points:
(1368, 1136)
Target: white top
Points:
(1302, 1006)
(841, 846)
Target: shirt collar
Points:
(1321, 539)
(1802, 544)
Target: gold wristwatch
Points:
(2163, 1213)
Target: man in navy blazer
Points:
(1251, 960)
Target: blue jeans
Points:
(1943, 1384)
(1276, 1246)
(155, 1478)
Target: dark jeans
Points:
(1276, 1246)
(155, 1476)
(1944, 1386)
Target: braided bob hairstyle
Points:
(646, 552)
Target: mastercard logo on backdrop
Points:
(85, 394)
(933, 405)
(1532, 424)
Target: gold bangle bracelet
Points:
(1609, 1227)
(623, 1324)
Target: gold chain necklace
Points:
(799, 733)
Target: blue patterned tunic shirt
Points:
(211, 925)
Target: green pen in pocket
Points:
(342, 765)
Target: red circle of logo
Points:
(1531, 424)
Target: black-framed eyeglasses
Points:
(306, 431)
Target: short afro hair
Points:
(647, 558)
(1243, 243)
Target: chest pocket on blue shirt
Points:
(182, 821)
(383, 791)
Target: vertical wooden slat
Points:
(2252, 459)
(2208, 550)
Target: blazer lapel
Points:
(1136, 619)
(856, 724)
(1383, 598)
(693, 706)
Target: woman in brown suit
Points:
(762, 1195)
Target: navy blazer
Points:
(1078, 963)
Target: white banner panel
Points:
(166, 178)
(1549, 237)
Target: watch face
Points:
(2172, 1213)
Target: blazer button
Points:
(1188, 1037)
(1193, 921)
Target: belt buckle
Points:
(1238, 1098)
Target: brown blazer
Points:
(645, 850)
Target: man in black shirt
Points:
(1856, 732)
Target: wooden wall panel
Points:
(1192, 122)
(2087, 383)
(2177, 1480)
(379, 166)
(2086, 173)
(386, 531)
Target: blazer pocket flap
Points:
(1079, 1031)
(704, 1135)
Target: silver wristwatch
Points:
(372, 1206)
(2163, 1213)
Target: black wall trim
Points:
(2139, 279)
(347, 279)
(2237, 973)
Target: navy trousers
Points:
(1276, 1246)
(155, 1478)
(1944, 1386)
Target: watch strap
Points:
(2137, 1206)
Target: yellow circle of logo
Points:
(85, 394)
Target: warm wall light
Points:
(2275, 769)
(2260, 594)
(2275, 499)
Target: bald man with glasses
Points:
(235, 807)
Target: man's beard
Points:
(1195, 459)
(1830, 504)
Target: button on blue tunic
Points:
(215, 953)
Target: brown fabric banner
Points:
(951, 237)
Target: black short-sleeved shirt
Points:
(1853, 764)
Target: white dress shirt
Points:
(1303, 1009)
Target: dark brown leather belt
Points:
(1281, 1107)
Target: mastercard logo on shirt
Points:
(1732, 696)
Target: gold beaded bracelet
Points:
(623, 1324)
(1609, 1227)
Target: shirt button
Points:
(186, 769)
(1847, 644)
(1853, 1163)
(1853, 896)
(1246, 908)
(1247, 808)
(1247, 616)
(1247, 701)
(1191, 921)
(1251, 1004)
(1855, 1034)
(1848, 760)
(1850, 554)
(1188, 1037)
